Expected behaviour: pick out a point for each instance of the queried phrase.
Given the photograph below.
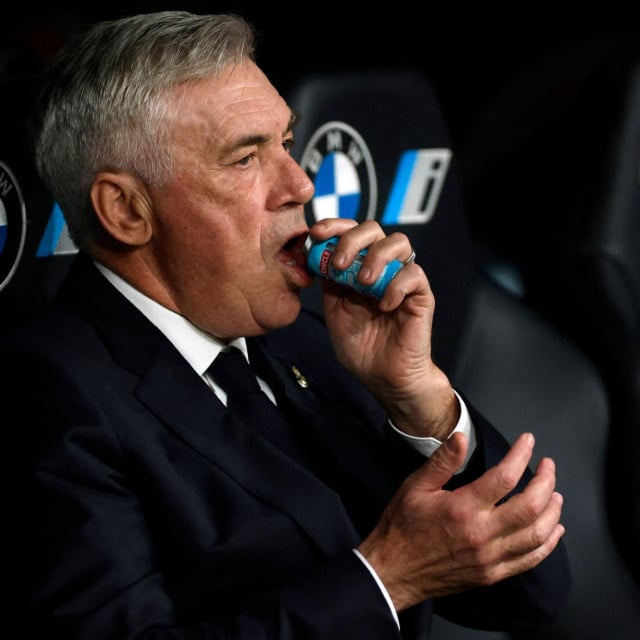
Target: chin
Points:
(284, 311)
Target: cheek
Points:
(214, 233)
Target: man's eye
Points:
(288, 144)
(246, 160)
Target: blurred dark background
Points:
(469, 50)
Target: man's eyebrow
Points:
(258, 138)
(293, 121)
(250, 140)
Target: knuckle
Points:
(397, 235)
(507, 477)
(457, 516)
(476, 542)
(530, 509)
(539, 535)
(488, 575)
(488, 578)
(442, 460)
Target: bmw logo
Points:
(13, 225)
(339, 163)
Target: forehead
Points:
(241, 98)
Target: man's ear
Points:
(122, 205)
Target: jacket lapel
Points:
(362, 454)
(184, 403)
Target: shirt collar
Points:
(197, 347)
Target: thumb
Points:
(445, 461)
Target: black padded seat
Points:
(508, 360)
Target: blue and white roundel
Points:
(337, 184)
(13, 225)
(339, 163)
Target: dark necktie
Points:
(232, 372)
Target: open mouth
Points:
(294, 253)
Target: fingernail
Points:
(339, 260)
(365, 274)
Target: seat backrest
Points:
(580, 264)
(367, 139)
(35, 250)
(376, 146)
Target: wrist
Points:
(430, 413)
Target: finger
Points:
(547, 522)
(538, 498)
(541, 534)
(395, 246)
(365, 235)
(329, 227)
(544, 479)
(501, 479)
(410, 283)
(516, 563)
(444, 462)
(542, 484)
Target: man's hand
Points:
(387, 342)
(430, 542)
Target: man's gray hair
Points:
(107, 94)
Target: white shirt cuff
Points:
(427, 445)
(383, 589)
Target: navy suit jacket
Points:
(140, 507)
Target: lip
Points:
(294, 256)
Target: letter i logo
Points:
(416, 188)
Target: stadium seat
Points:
(376, 146)
(35, 250)
(577, 256)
